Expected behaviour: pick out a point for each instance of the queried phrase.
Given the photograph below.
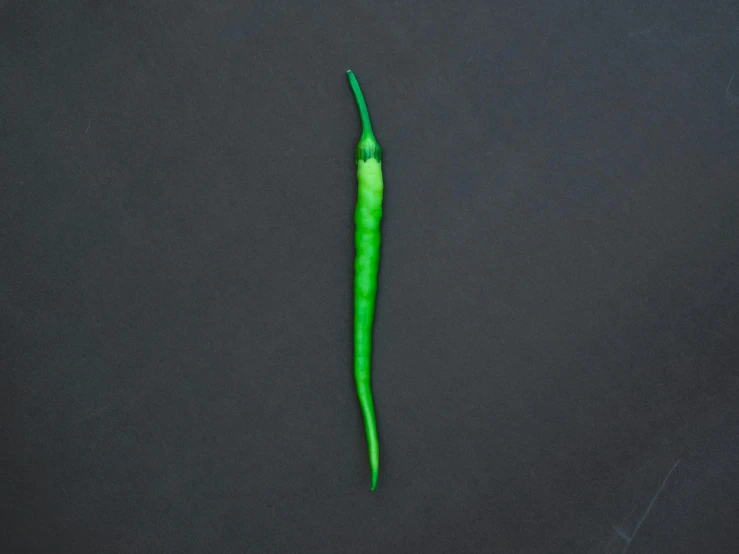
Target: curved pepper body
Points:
(367, 242)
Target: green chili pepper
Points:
(367, 242)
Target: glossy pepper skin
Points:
(367, 218)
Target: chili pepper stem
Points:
(368, 146)
(361, 104)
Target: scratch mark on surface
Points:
(629, 538)
(731, 98)
(665, 33)
(92, 414)
(106, 407)
(88, 126)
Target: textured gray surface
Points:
(558, 314)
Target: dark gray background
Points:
(558, 316)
